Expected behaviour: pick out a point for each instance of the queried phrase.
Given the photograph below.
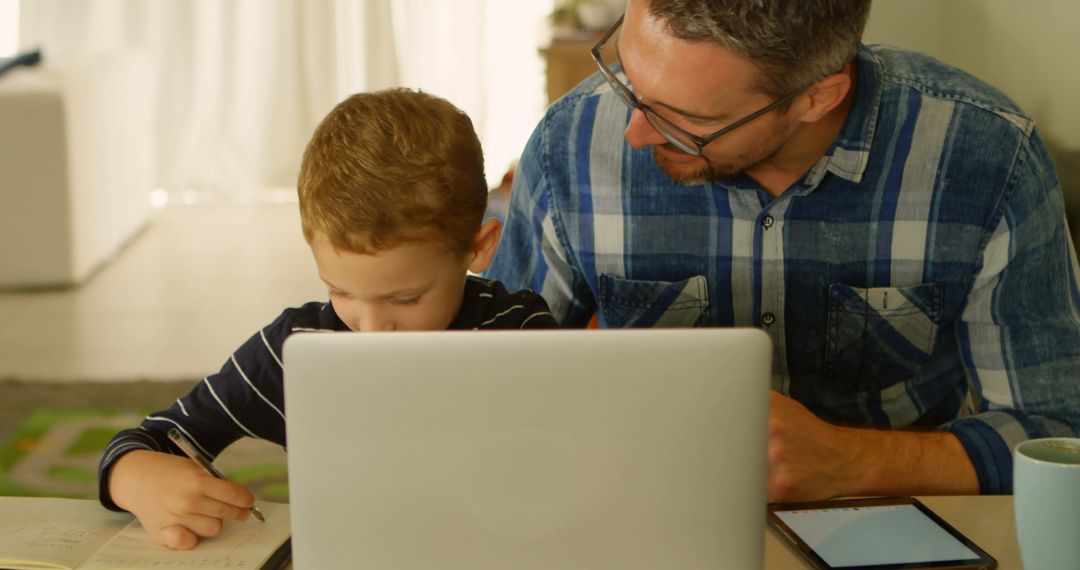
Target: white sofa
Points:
(76, 165)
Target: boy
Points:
(392, 196)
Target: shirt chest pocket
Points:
(880, 336)
(634, 303)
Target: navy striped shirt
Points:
(919, 275)
(246, 398)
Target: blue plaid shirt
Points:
(919, 275)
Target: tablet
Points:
(879, 533)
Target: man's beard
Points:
(712, 170)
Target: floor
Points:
(172, 305)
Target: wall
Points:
(1028, 50)
(912, 24)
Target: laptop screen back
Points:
(532, 449)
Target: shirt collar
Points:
(850, 152)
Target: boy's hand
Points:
(174, 499)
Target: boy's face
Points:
(412, 287)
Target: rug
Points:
(52, 436)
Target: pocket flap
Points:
(637, 303)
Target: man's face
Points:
(701, 88)
(411, 287)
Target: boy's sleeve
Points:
(1020, 330)
(537, 314)
(245, 398)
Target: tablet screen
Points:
(847, 536)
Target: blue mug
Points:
(1046, 496)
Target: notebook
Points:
(528, 449)
(80, 534)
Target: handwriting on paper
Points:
(61, 539)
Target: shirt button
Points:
(767, 319)
(767, 222)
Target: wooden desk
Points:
(986, 520)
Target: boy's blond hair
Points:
(391, 167)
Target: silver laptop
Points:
(528, 449)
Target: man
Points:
(893, 223)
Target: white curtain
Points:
(481, 55)
(241, 84)
(9, 27)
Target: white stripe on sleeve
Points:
(267, 343)
(226, 409)
(253, 388)
(496, 317)
(534, 315)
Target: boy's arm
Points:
(497, 308)
(143, 472)
(174, 499)
(538, 316)
(243, 399)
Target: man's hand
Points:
(810, 459)
(174, 499)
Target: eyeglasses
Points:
(687, 142)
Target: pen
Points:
(191, 451)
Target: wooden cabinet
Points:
(568, 62)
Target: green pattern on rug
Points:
(54, 452)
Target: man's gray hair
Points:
(794, 42)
